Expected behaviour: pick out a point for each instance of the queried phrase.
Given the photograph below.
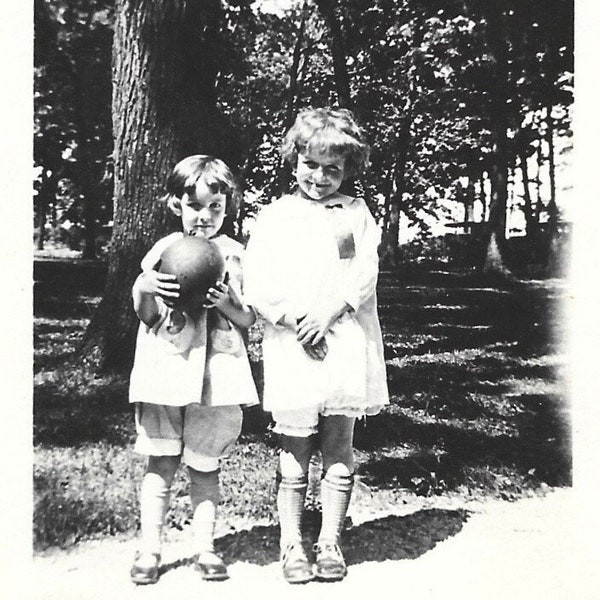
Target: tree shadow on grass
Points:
(443, 455)
(387, 538)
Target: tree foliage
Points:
(465, 102)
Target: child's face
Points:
(203, 212)
(319, 174)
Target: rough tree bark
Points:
(164, 68)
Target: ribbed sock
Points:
(203, 526)
(290, 505)
(154, 500)
(335, 498)
(204, 494)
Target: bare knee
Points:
(204, 485)
(163, 466)
(337, 434)
(294, 456)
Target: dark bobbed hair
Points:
(217, 176)
(331, 130)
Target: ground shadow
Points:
(387, 538)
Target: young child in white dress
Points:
(311, 269)
(191, 371)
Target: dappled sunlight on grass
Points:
(478, 409)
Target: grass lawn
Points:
(479, 408)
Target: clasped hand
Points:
(312, 327)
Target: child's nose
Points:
(204, 215)
(320, 174)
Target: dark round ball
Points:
(197, 263)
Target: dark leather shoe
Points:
(296, 567)
(213, 570)
(329, 562)
(143, 574)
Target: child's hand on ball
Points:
(218, 296)
(163, 285)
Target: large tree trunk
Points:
(493, 261)
(164, 72)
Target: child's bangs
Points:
(330, 141)
(215, 183)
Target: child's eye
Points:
(310, 164)
(215, 205)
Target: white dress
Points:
(205, 361)
(302, 252)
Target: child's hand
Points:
(313, 326)
(163, 285)
(317, 351)
(218, 297)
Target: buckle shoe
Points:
(329, 562)
(295, 565)
(213, 569)
(143, 573)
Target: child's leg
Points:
(337, 433)
(292, 478)
(154, 500)
(205, 497)
(209, 433)
(336, 488)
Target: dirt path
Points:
(524, 549)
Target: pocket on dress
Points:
(227, 341)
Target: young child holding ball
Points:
(311, 268)
(191, 372)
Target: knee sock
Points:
(290, 504)
(335, 498)
(154, 500)
(204, 494)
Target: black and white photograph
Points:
(300, 304)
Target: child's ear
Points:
(175, 205)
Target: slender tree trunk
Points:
(553, 251)
(493, 261)
(399, 150)
(338, 52)
(292, 94)
(527, 201)
(47, 191)
(164, 68)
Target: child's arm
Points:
(358, 285)
(147, 287)
(265, 269)
(224, 298)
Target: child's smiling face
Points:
(203, 212)
(319, 174)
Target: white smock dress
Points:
(300, 253)
(205, 361)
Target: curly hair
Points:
(331, 130)
(216, 173)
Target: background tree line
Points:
(464, 100)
